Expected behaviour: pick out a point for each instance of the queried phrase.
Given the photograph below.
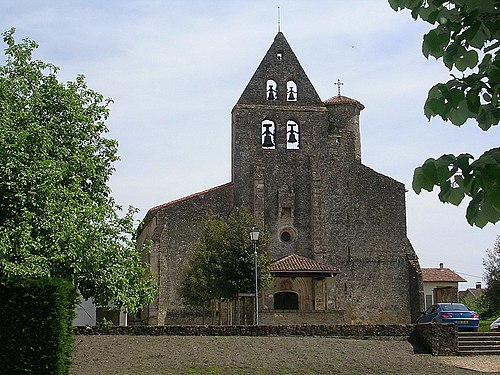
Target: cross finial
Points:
(338, 83)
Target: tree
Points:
(467, 37)
(492, 276)
(57, 215)
(222, 262)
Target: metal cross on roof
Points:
(338, 83)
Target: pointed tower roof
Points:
(344, 100)
(280, 65)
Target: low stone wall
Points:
(290, 317)
(351, 331)
(437, 339)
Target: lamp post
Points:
(254, 236)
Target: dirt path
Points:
(250, 355)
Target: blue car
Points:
(451, 313)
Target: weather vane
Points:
(338, 83)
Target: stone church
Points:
(337, 228)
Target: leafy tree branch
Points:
(466, 36)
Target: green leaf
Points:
(473, 101)
(451, 195)
(462, 161)
(493, 196)
(421, 181)
(436, 102)
(434, 42)
(396, 4)
(468, 59)
(459, 115)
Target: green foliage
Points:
(104, 324)
(57, 217)
(481, 305)
(492, 276)
(457, 177)
(467, 37)
(222, 263)
(37, 326)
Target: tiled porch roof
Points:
(301, 266)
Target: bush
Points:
(37, 326)
(481, 305)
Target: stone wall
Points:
(174, 228)
(436, 339)
(291, 317)
(341, 330)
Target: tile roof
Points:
(440, 274)
(152, 211)
(296, 264)
(476, 292)
(339, 99)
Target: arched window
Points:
(291, 91)
(268, 134)
(292, 135)
(271, 90)
(286, 301)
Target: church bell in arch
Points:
(268, 141)
(292, 138)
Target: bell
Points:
(270, 93)
(291, 96)
(291, 138)
(268, 141)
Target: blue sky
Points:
(175, 69)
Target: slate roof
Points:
(340, 99)
(296, 265)
(440, 274)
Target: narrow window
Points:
(268, 134)
(291, 91)
(271, 90)
(292, 135)
(286, 301)
(428, 300)
(279, 55)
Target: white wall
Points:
(429, 287)
(85, 313)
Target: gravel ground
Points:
(262, 355)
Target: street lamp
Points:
(254, 236)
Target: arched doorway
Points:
(286, 301)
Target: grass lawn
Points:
(484, 324)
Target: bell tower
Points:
(279, 133)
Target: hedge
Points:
(36, 332)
